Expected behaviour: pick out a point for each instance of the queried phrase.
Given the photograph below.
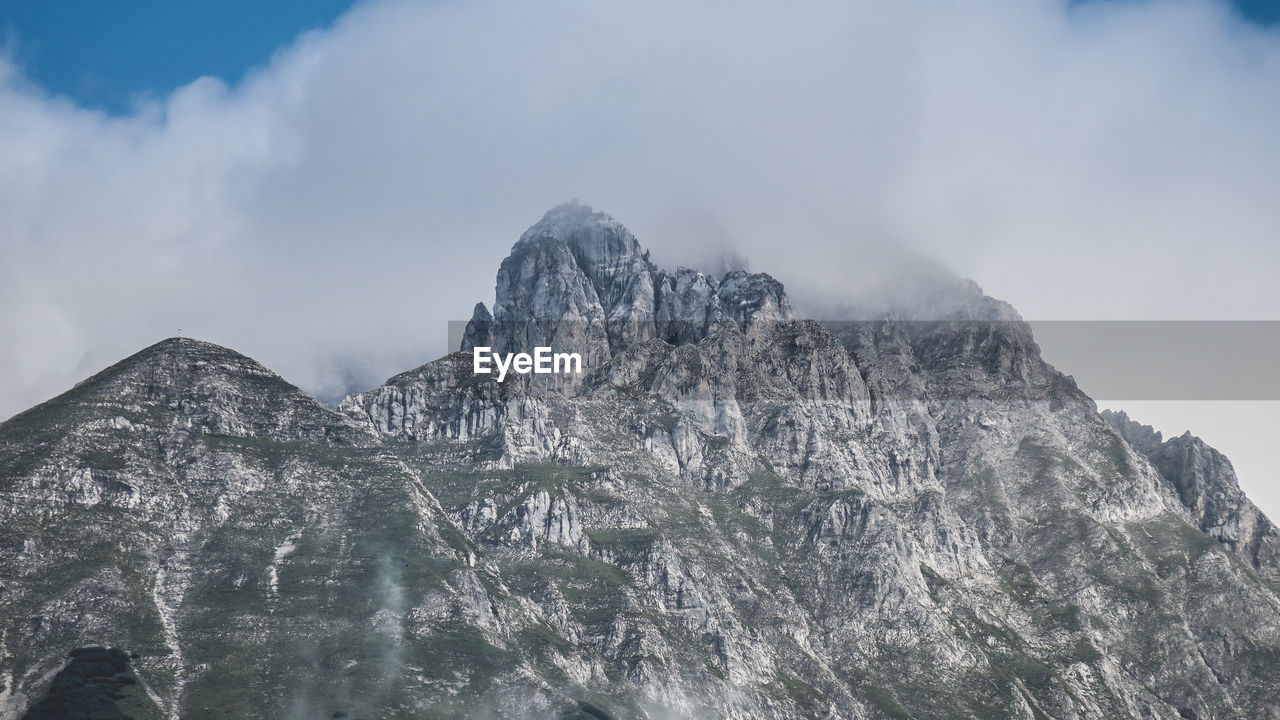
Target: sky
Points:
(323, 186)
(113, 56)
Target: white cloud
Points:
(330, 213)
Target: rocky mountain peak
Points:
(733, 514)
(603, 248)
(579, 280)
(168, 371)
(1142, 438)
(1207, 485)
(176, 352)
(182, 385)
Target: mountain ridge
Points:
(733, 513)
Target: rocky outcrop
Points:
(578, 281)
(444, 400)
(1207, 485)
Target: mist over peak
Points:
(342, 203)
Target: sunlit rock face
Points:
(730, 513)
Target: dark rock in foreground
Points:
(90, 687)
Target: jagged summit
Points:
(945, 518)
(594, 237)
(1206, 482)
(1144, 438)
(579, 280)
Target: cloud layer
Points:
(333, 211)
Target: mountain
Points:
(1206, 483)
(732, 512)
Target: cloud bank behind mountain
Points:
(331, 212)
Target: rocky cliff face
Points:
(732, 513)
(1206, 483)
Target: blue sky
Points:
(1263, 11)
(109, 55)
